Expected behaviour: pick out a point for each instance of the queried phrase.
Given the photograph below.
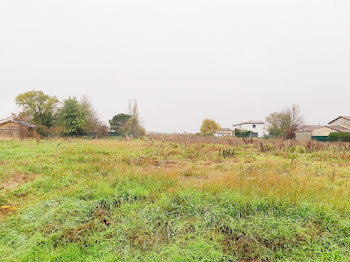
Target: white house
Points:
(257, 128)
(226, 132)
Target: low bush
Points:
(42, 130)
(339, 137)
(242, 133)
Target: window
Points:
(254, 126)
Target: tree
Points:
(92, 123)
(38, 107)
(285, 123)
(133, 126)
(80, 118)
(73, 118)
(118, 123)
(209, 127)
(101, 130)
(296, 117)
(278, 123)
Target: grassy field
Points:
(143, 200)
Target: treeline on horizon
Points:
(73, 117)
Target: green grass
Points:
(108, 200)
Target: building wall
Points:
(226, 134)
(324, 131)
(9, 130)
(14, 130)
(303, 136)
(307, 136)
(341, 122)
(260, 128)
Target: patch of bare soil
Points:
(3, 163)
(6, 210)
(15, 181)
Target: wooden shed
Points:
(14, 128)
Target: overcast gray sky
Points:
(183, 60)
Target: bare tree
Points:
(296, 121)
(296, 117)
(101, 131)
(133, 125)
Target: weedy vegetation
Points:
(177, 198)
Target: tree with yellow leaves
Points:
(209, 127)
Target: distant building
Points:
(12, 127)
(340, 121)
(307, 133)
(257, 128)
(321, 133)
(224, 132)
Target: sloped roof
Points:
(226, 129)
(312, 128)
(309, 128)
(223, 132)
(345, 117)
(14, 120)
(340, 128)
(251, 122)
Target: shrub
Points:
(339, 137)
(101, 131)
(42, 130)
(242, 133)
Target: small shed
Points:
(14, 128)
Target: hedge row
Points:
(242, 133)
(339, 137)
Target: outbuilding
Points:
(341, 121)
(319, 133)
(224, 132)
(14, 128)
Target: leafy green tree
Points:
(118, 123)
(73, 118)
(285, 123)
(38, 107)
(209, 127)
(278, 122)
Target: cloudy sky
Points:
(183, 60)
